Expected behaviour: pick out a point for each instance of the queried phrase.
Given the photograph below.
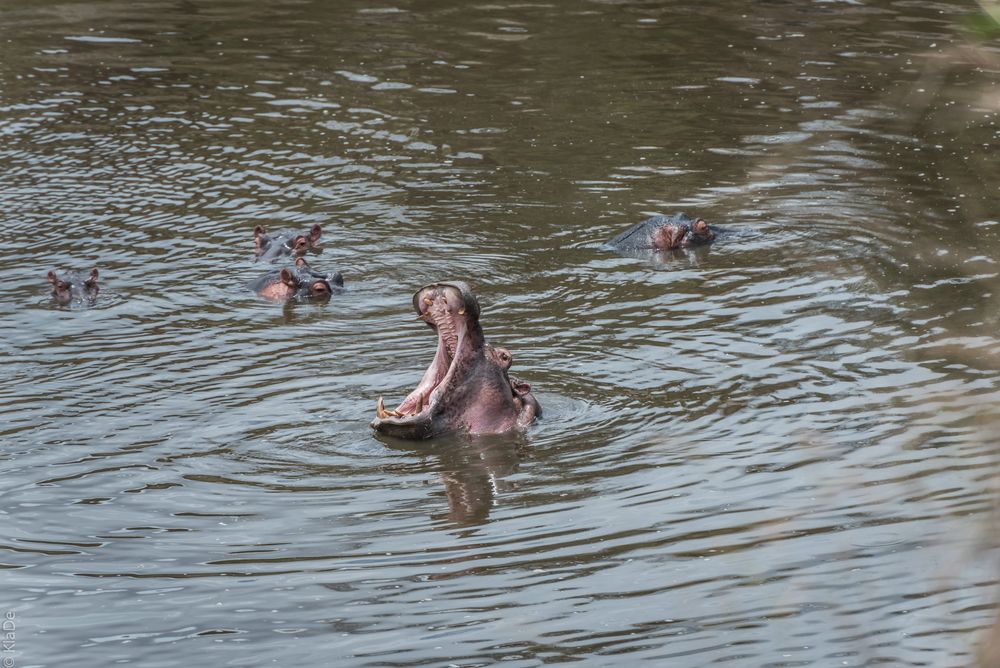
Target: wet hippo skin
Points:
(273, 246)
(299, 281)
(661, 233)
(466, 388)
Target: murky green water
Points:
(779, 452)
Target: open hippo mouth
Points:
(466, 388)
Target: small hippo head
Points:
(680, 231)
(285, 242)
(74, 286)
(315, 284)
(466, 388)
(300, 281)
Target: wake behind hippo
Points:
(663, 233)
(466, 389)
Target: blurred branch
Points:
(991, 8)
(987, 23)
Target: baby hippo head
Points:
(286, 242)
(300, 281)
(73, 286)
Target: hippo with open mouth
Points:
(466, 388)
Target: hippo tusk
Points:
(381, 413)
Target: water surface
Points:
(778, 451)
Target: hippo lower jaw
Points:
(414, 418)
(466, 387)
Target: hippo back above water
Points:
(662, 233)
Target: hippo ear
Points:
(258, 236)
(669, 237)
(288, 279)
(520, 387)
(58, 283)
(92, 281)
(315, 233)
(337, 279)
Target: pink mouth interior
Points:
(443, 308)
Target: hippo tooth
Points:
(380, 409)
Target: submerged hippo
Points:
(79, 286)
(271, 247)
(298, 282)
(661, 233)
(466, 388)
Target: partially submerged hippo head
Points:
(285, 242)
(74, 286)
(699, 233)
(663, 233)
(466, 388)
(298, 282)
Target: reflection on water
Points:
(779, 450)
(474, 472)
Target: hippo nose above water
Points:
(662, 233)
